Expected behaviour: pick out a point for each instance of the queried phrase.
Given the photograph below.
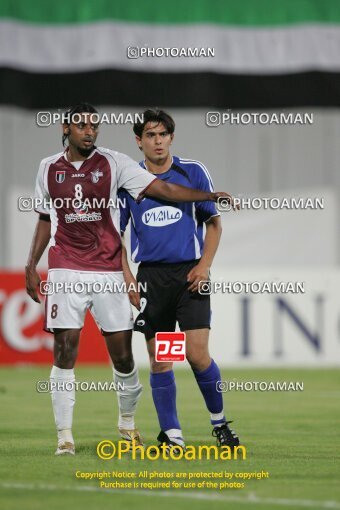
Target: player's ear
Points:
(139, 142)
(66, 129)
(172, 137)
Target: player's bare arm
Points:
(178, 193)
(130, 280)
(40, 240)
(211, 241)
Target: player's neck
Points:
(158, 167)
(73, 155)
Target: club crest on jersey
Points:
(95, 176)
(60, 176)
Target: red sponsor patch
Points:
(170, 346)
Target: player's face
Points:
(155, 141)
(83, 133)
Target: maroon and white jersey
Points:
(81, 199)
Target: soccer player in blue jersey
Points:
(167, 239)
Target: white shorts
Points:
(72, 293)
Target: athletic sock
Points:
(127, 397)
(207, 382)
(164, 396)
(176, 436)
(63, 400)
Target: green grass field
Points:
(293, 435)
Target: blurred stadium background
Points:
(269, 57)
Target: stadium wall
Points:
(251, 160)
(248, 329)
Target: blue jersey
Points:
(164, 231)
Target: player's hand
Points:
(197, 274)
(133, 293)
(226, 196)
(134, 297)
(32, 283)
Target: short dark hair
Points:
(158, 116)
(79, 108)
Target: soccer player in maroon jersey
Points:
(85, 247)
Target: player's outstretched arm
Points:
(178, 193)
(40, 240)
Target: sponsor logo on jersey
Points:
(60, 176)
(82, 209)
(96, 175)
(78, 175)
(81, 214)
(71, 218)
(161, 216)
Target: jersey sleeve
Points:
(204, 210)
(132, 177)
(41, 195)
(124, 209)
